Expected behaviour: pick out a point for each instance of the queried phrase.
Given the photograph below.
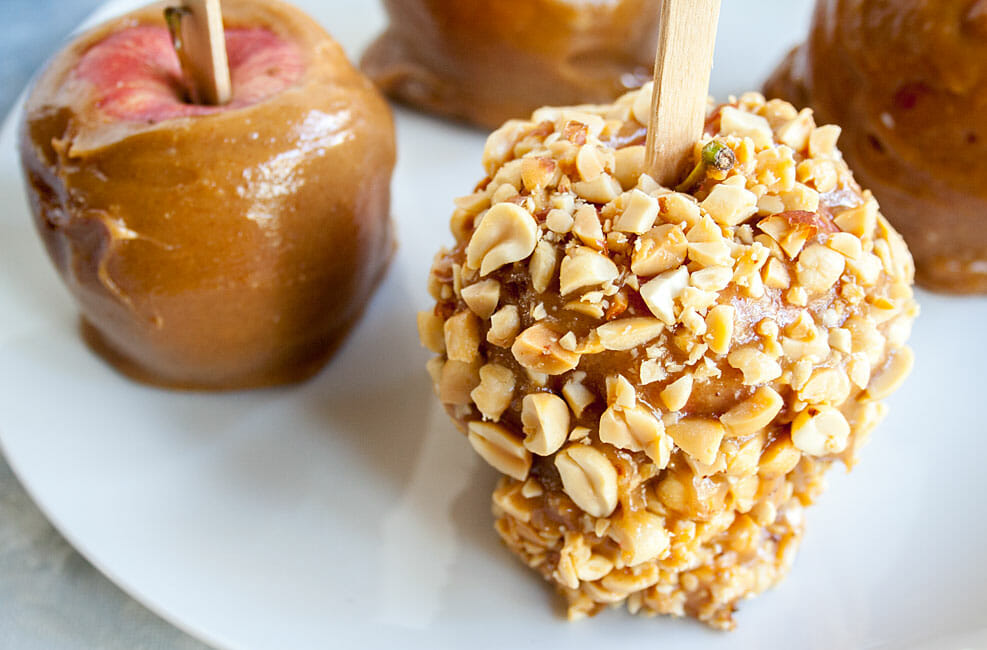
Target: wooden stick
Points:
(197, 34)
(682, 70)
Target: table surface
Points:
(51, 597)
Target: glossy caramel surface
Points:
(218, 251)
(489, 61)
(907, 81)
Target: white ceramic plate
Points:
(348, 510)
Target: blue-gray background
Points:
(50, 597)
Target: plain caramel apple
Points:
(488, 61)
(212, 247)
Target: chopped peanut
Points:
(588, 478)
(507, 233)
(537, 348)
(583, 267)
(499, 447)
(545, 417)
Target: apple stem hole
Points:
(196, 29)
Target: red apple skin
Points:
(212, 247)
(136, 74)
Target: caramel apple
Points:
(212, 247)
(488, 61)
(663, 375)
(907, 81)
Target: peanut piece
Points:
(514, 502)
(504, 326)
(770, 204)
(764, 513)
(602, 189)
(586, 226)
(712, 278)
(498, 446)
(641, 536)
(660, 293)
(822, 140)
(559, 221)
(742, 124)
(626, 582)
(820, 431)
(590, 162)
(742, 458)
(796, 133)
(758, 367)
(545, 419)
(462, 337)
(680, 208)
(719, 328)
(775, 275)
(537, 349)
(473, 203)
(595, 568)
(588, 478)
(629, 333)
(500, 144)
(846, 244)
(818, 268)
(434, 367)
(496, 389)
(577, 396)
(711, 253)
(482, 297)
(541, 268)
(859, 369)
(754, 413)
(860, 221)
(635, 429)
(504, 192)
(584, 267)
(430, 331)
(629, 165)
(639, 214)
(641, 109)
(826, 385)
(621, 392)
(507, 233)
(661, 249)
(457, 381)
(779, 458)
(698, 437)
(729, 205)
(676, 395)
(537, 173)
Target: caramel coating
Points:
(664, 376)
(231, 249)
(913, 123)
(487, 61)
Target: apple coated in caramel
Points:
(663, 376)
(907, 81)
(212, 247)
(488, 61)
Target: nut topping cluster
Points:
(664, 375)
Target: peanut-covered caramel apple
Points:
(212, 247)
(664, 376)
(491, 60)
(907, 81)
